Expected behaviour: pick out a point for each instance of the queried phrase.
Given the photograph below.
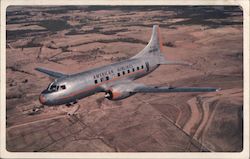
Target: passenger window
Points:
(133, 70)
(63, 87)
(96, 81)
(107, 78)
(128, 71)
(123, 72)
(138, 68)
(142, 67)
(118, 74)
(101, 79)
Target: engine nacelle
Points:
(118, 93)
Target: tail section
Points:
(155, 42)
(154, 47)
(154, 50)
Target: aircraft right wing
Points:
(51, 73)
(126, 88)
(156, 89)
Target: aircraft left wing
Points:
(156, 89)
(51, 73)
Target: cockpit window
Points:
(53, 88)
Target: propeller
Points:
(107, 95)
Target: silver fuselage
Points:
(96, 80)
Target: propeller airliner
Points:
(116, 80)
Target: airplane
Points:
(116, 79)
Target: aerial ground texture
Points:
(77, 38)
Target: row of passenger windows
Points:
(119, 74)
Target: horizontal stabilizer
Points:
(51, 73)
(166, 62)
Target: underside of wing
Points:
(51, 73)
(155, 89)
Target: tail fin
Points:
(154, 46)
(154, 49)
(155, 40)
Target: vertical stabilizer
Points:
(154, 47)
(154, 50)
(155, 40)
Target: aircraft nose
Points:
(42, 99)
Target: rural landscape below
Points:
(72, 39)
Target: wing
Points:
(126, 88)
(51, 73)
(130, 86)
(124, 84)
(155, 89)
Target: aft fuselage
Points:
(77, 86)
